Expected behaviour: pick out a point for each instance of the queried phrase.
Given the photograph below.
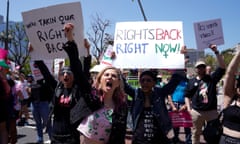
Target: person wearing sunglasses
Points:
(68, 98)
(201, 94)
(151, 123)
(74, 103)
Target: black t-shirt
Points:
(147, 131)
(203, 92)
(63, 105)
(40, 91)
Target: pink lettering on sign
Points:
(172, 34)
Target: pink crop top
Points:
(97, 126)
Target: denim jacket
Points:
(157, 102)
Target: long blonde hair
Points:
(119, 96)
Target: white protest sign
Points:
(44, 28)
(208, 32)
(35, 70)
(148, 45)
(106, 58)
(56, 65)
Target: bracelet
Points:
(216, 52)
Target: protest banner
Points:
(44, 28)
(148, 45)
(208, 32)
(181, 119)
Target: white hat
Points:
(97, 68)
(200, 63)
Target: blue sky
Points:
(187, 11)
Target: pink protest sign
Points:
(181, 119)
(3, 53)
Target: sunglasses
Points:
(201, 66)
(67, 72)
(146, 80)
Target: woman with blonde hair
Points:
(107, 125)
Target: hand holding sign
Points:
(183, 50)
(68, 30)
(213, 47)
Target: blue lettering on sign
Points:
(131, 48)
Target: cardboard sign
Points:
(148, 45)
(106, 58)
(208, 32)
(44, 28)
(56, 65)
(36, 72)
(181, 119)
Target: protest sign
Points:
(36, 71)
(208, 32)
(106, 57)
(181, 119)
(148, 45)
(44, 28)
(56, 66)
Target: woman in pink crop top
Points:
(97, 128)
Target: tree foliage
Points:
(18, 45)
(98, 37)
(227, 55)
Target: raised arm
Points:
(128, 88)
(229, 83)
(48, 77)
(87, 60)
(75, 64)
(218, 55)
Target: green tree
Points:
(18, 46)
(227, 54)
(210, 60)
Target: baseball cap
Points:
(199, 63)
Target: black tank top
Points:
(231, 117)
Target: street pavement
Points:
(28, 135)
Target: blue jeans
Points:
(188, 135)
(40, 112)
